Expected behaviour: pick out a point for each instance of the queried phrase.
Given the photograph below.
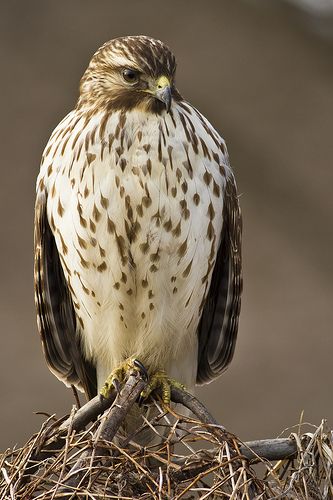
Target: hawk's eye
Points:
(130, 75)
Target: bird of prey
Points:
(137, 228)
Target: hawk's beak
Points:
(163, 92)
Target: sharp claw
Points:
(116, 385)
(163, 383)
(142, 369)
(119, 375)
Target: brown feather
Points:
(218, 326)
(55, 312)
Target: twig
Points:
(55, 438)
(116, 416)
(98, 466)
(193, 404)
(269, 449)
(107, 429)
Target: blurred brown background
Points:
(263, 74)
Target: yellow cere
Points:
(162, 82)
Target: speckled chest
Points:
(136, 211)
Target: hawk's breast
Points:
(135, 204)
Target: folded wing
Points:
(218, 327)
(55, 311)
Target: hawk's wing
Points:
(217, 330)
(55, 311)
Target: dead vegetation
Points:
(74, 458)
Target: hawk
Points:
(137, 228)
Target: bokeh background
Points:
(262, 72)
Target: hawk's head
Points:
(130, 72)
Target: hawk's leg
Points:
(119, 375)
(161, 382)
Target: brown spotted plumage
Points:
(137, 228)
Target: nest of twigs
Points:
(195, 458)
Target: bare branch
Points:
(269, 449)
(88, 459)
(107, 430)
(192, 403)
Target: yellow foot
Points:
(120, 374)
(161, 382)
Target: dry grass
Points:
(195, 461)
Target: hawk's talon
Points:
(161, 381)
(106, 390)
(142, 369)
(119, 375)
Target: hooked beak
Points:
(163, 92)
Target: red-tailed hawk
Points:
(137, 228)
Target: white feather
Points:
(150, 315)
